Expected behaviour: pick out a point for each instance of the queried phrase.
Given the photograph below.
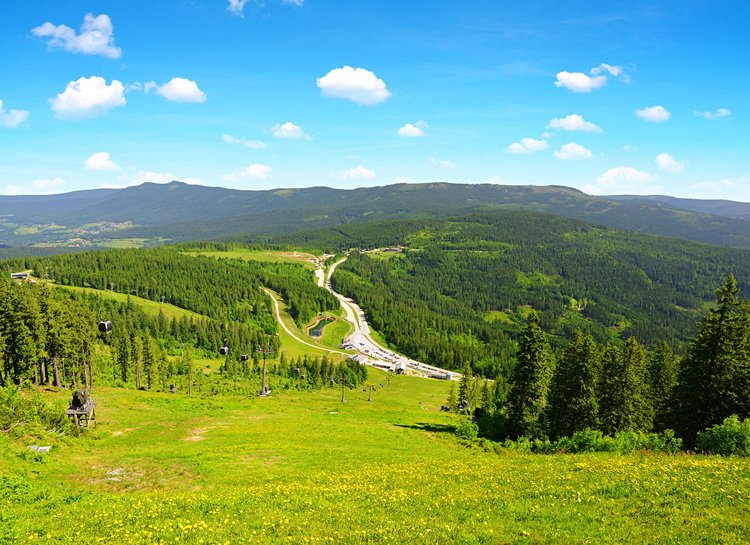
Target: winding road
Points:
(370, 352)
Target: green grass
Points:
(333, 334)
(263, 255)
(148, 306)
(302, 467)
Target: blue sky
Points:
(608, 97)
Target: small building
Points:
(19, 275)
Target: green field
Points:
(301, 467)
(151, 307)
(272, 256)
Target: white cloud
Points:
(617, 175)
(294, 2)
(289, 130)
(100, 161)
(654, 114)
(441, 163)
(667, 163)
(623, 180)
(237, 7)
(95, 38)
(12, 118)
(737, 189)
(713, 116)
(573, 151)
(252, 144)
(44, 186)
(413, 129)
(573, 122)
(527, 145)
(355, 84)
(88, 97)
(578, 82)
(181, 90)
(357, 173)
(254, 171)
(628, 148)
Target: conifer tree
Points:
(625, 401)
(531, 380)
(714, 378)
(464, 385)
(663, 374)
(452, 399)
(574, 404)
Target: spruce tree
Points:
(663, 375)
(625, 401)
(531, 380)
(574, 404)
(714, 377)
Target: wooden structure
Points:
(83, 416)
(82, 409)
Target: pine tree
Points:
(714, 378)
(452, 399)
(574, 404)
(625, 401)
(663, 374)
(464, 385)
(531, 380)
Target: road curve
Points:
(362, 341)
(277, 312)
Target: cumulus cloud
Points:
(356, 84)
(573, 151)
(654, 114)
(252, 144)
(357, 173)
(667, 163)
(44, 186)
(578, 82)
(96, 37)
(411, 130)
(736, 189)
(617, 175)
(573, 122)
(257, 171)
(12, 118)
(713, 116)
(623, 180)
(88, 97)
(289, 130)
(527, 145)
(100, 161)
(441, 163)
(181, 90)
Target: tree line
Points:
(613, 388)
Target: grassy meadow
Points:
(301, 467)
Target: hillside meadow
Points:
(301, 467)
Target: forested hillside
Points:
(462, 288)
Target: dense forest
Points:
(462, 288)
(612, 389)
(51, 336)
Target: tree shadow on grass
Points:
(430, 426)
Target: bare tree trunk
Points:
(56, 372)
(43, 371)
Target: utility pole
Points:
(342, 379)
(264, 351)
(371, 389)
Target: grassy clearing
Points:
(151, 307)
(302, 467)
(301, 258)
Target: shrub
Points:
(731, 437)
(466, 429)
(28, 415)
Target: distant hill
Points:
(178, 212)
(716, 207)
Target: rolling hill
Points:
(176, 211)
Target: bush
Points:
(28, 415)
(466, 429)
(731, 437)
(590, 440)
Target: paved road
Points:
(362, 341)
(289, 332)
